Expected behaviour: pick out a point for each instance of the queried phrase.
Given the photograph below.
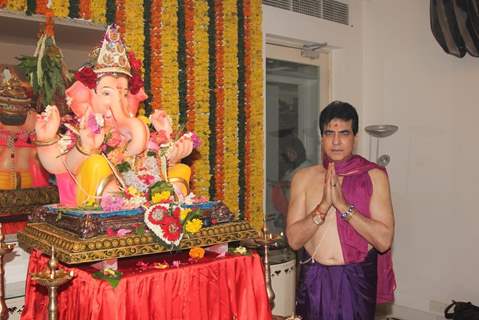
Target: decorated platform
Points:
(71, 249)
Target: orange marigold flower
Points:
(197, 252)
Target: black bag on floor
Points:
(462, 311)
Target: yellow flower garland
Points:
(134, 24)
(98, 11)
(17, 5)
(231, 161)
(60, 8)
(202, 129)
(257, 116)
(169, 55)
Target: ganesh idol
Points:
(19, 165)
(106, 150)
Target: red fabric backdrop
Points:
(214, 288)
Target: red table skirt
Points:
(13, 227)
(214, 288)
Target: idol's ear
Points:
(78, 98)
(134, 101)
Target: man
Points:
(341, 213)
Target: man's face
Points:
(338, 139)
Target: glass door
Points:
(294, 91)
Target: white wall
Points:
(408, 80)
(389, 66)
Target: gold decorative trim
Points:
(73, 250)
(17, 204)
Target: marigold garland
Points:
(230, 40)
(190, 64)
(247, 107)
(60, 8)
(134, 35)
(220, 100)
(256, 117)
(98, 9)
(156, 71)
(169, 57)
(85, 12)
(120, 16)
(17, 5)
(41, 7)
(201, 167)
(241, 117)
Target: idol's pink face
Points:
(338, 139)
(111, 99)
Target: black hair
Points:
(292, 143)
(338, 110)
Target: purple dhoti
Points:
(344, 292)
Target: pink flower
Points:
(195, 139)
(153, 146)
(111, 203)
(110, 232)
(147, 178)
(114, 139)
(159, 137)
(122, 232)
(93, 124)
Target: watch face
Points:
(317, 219)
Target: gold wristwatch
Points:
(317, 219)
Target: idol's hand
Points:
(161, 122)
(337, 197)
(91, 133)
(47, 124)
(179, 150)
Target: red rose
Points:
(134, 63)
(87, 76)
(135, 83)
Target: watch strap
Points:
(348, 214)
